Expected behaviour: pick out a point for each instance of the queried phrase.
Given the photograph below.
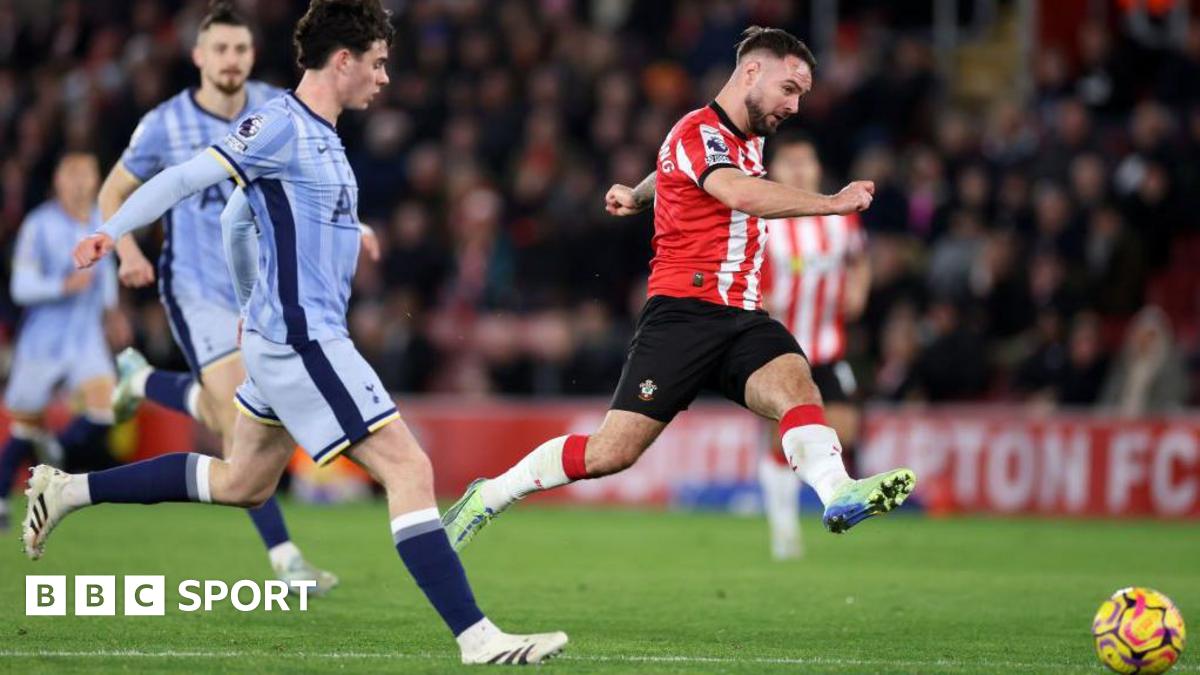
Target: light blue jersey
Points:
(192, 263)
(302, 370)
(61, 336)
(304, 198)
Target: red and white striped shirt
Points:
(702, 248)
(806, 280)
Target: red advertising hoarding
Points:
(986, 459)
(1004, 460)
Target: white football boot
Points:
(299, 569)
(517, 650)
(45, 507)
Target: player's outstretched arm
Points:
(768, 199)
(241, 245)
(135, 270)
(149, 202)
(623, 200)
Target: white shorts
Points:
(32, 382)
(205, 331)
(323, 392)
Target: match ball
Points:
(1139, 630)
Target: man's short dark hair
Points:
(777, 41)
(222, 12)
(330, 25)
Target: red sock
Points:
(572, 457)
(801, 415)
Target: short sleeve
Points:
(146, 154)
(702, 149)
(259, 146)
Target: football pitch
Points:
(637, 592)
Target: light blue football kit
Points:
(303, 371)
(61, 337)
(193, 282)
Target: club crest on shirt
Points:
(250, 126)
(646, 390)
(716, 151)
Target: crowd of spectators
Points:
(1034, 248)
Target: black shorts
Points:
(684, 345)
(835, 381)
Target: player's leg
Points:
(206, 334)
(246, 479)
(677, 344)
(220, 383)
(393, 457)
(31, 384)
(783, 390)
(23, 432)
(620, 441)
(138, 381)
(780, 485)
(781, 499)
(84, 441)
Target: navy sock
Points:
(170, 389)
(83, 432)
(425, 550)
(179, 477)
(85, 445)
(268, 519)
(15, 452)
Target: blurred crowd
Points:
(1039, 248)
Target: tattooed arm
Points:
(623, 200)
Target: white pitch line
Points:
(598, 658)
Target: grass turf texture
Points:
(636, 591)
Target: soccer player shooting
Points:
(703, 326)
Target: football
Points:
(1139, 630)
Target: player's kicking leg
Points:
(783, 390)
(211, 401)
(619, 442)
(780, 484)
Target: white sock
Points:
(474, 638)
(781, 495)
(816, 455)
(76, 493)
(193, 400)
(281, 555)
(541, 469)
(137, 382)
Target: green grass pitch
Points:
(637, 591)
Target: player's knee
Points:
(238, 488)
(400, 465)
(249, 496)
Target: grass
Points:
(637, 591)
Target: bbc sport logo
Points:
(146, 595)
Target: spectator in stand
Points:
(483, 168)
(1149, 374)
